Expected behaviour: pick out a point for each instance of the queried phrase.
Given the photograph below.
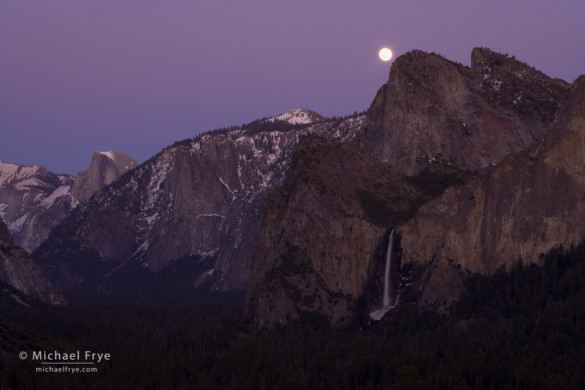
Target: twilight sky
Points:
(137, 75)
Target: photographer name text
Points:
(77, 356)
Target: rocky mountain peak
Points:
(11, 173)
(518, 86)
(483, 58)
(32, 201)
(104, 169)
(431, 121)
(298, 116)
(193, 211)
(435, 111)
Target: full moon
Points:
(385, 54)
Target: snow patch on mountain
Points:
(16, 225)
(11, 173)
(200, 197)
(59, 192)
(298, 116)
(109, 155)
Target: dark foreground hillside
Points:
(521, 329)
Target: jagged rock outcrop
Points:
(33, 201)
(323, 233)
(103, 170)
(195, 206)
(436, 111)
(18, 271)
(529, 203)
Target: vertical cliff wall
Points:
(324, 232)
(18, 270)
(529, 203)
(433, 110)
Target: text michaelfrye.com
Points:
(66, 362)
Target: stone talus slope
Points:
(199, 201)
(18, 270)
(530, 203)
(436, 111)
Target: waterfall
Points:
(386, 299)
(387, 275)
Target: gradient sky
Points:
(137, 75)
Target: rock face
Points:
(436, 111)
(321, 233)
(529, 203)
(33, 201)
(18, 270)
(437, 123)
(234, 209)
(195, 207)
(5, 236)
(104, 169)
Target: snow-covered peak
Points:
(110, 154)
(12, 173)
(298, 116)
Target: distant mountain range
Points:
(33, 200)
(473, 167)
(193, 211)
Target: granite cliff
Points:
(435, 124)
(19, 275)
(320, 231)
(191, 214)
(528, 204)
(433, 110)
(300, 213)
(33, 201)
(104, 168)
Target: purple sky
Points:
(134, 76)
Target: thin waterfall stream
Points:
(386, 299)
(388, 272)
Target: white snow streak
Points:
(294, 117)
(226, 186)
(109, 155)
(59, 191)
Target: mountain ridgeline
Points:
(434, 111)
(187, 219)
(297, 209)
(435, 124)
(33, 200)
